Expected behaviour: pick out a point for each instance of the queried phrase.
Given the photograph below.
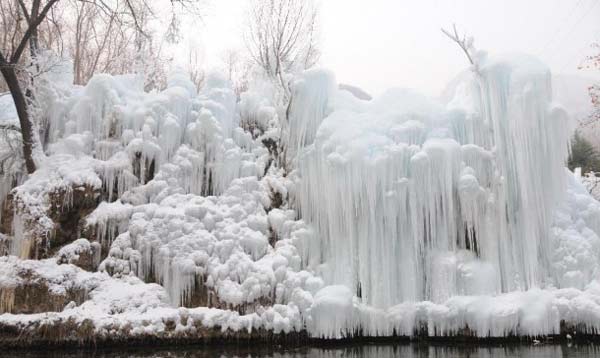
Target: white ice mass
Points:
(412, 201)
(339, 216)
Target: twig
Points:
(462, 42)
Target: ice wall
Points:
(136, 133)
(115, 132)
(417, 201)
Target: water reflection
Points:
(351, 351)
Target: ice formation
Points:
(221, 242)
(155, 129)
(396, 215)
(309, 104)
(413, 201)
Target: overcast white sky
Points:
(377, 44)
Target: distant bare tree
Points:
(194, 66)
(11, 24)
(593, 62)
(281, 37)
(237, 69)
(100, 40)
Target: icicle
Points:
(98, 110)
(333, 313)
(310, 103)
(218, 97)
(170, 136)
(21, 243)
(221, 157)
(177, 275)
(6, 184)
(117, 175)
(109, 219)
(105, 149)
(7, 299)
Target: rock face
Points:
(80, 253)
(4, 244)
(71, 333)
(68, 211)
(36, 297)
(39, 231)
(38, 286)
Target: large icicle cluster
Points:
(308, 105)
(398, 215)
(136, 133)
(111, 135)
(415, 201)
(221, 243)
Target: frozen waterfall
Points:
(413, 200)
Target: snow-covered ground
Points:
(336, 215)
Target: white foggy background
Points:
(379, 44)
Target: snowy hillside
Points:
(178, 214)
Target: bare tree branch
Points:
(33, 24)
(462, 42)
(24, 9)
(280, 38)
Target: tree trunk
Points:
(12, 81)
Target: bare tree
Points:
(237, 68)
(21, 24)
(100, 39)
(12, 24)
(8, 66)
(194, 66)
(281, 37)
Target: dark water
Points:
(350, 351)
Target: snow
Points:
(396, 215)
(332, 312)
(58, 278)
(71, 253)
(109, 219)
(576, 241)
(7, 105)
(530, 313)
